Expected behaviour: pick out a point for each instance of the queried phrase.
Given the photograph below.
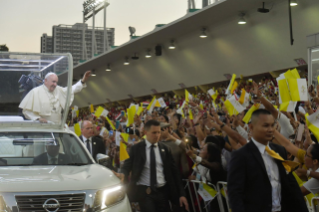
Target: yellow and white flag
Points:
(288, 106)
(284, 94)
(100, 111)
(247, 117)
(151, 106)
(312, 122)
(230, 86)
(180, 110)
(188, 96)
(298, 89)
(162, 102)
(233, 106)
(213, 93)
(235, 85)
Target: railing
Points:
(194, 187)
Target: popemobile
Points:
(45, 166)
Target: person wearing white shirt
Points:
(155, 180)
(46, 102)
(256, 180)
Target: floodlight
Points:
(108, 67)
(132, 30)
(203, 35)
(172, 45)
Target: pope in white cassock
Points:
(45, 102)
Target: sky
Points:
(22, 22)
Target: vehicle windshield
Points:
(33, 149)
(22, 72)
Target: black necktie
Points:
(88, 146)
(153, 168)
(53, 160)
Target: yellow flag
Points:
(190, 114)
(230, 86)
(123, 153)
(125, 136)
(288, 75)
(92, 108)
(157, 104)
(110, 123)
(298, 89)
(287, 106)
(188, 96)
(77, 113)
(152, 103)
(295, 74)
(77, 129)
(201, 105)
(235, 85)
(312, 122)
(242, 96)
(140, 110)
(284, 91)
(210, 190)
(100, 111)
(130, 114)
(247, 117)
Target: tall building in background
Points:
(46, 43)
(68, 39)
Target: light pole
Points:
(90, 9)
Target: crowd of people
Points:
(268, 154)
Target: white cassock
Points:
(40, 103)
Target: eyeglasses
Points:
(308, 156)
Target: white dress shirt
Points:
(145, 178)
(90, 143)
(273, 175)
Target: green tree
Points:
(4, 48)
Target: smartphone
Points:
(110, 133)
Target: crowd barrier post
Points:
(194, 182)
(313, 204)
(222, 185)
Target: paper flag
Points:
(130, 114)
(233, 106)
(117, 138)
(242, 96)
(110, 123)
(123, 152)
(77, 129)
(103, 130)
(247, 116)
(191, 117)
(288, 106)
(188, 96)
(207, 192)
(140, 110)
(100, 111)
(283, 91)
(157, 104)
(231, 84)
(150, 107)
(162, 102)
(235, 85)
(298, 89)
(295, 73)
(92, 108)
(313, 123)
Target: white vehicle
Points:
(46, 167)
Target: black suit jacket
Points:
(97, 145)
(136, 162)
(43, 159)
(249, 188)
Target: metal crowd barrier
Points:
(314, 206)
(221, 189)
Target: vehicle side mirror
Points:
(103, 160)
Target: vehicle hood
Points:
(55, 178)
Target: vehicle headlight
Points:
(108, 197)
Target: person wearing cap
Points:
(46, 102)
